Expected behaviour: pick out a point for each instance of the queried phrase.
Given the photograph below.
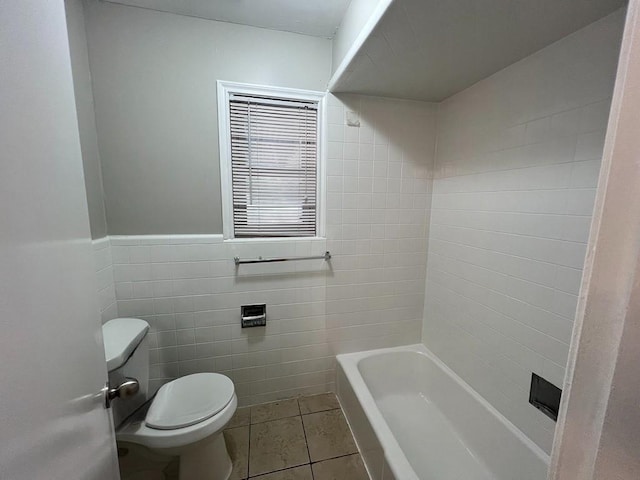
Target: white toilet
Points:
(185, 418)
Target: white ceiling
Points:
(319, 18)
(431, 49)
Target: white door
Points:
(53, 425)
(598, 431)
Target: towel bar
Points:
(238, 261)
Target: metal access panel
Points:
(545, 396)
(253, 315)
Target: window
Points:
(269, 158)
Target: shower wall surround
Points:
(378, 202)
(516, 170)
(370, 295)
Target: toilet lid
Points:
(189, 400)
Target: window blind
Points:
(274, 165)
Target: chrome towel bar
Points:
(326, 257)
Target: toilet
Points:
(185, 418)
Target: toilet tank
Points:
(127, 354)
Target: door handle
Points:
(126, 389)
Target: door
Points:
(598, 432)
(53, 424)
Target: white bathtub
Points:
(414, 419)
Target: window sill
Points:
(273, 239)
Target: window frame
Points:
(225, 89)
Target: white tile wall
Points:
(104, 276)
(190, 291)
(379, 189)
(370, 295)
(516, 170)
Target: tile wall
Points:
(104, 276)
(516, 171)
(370, 295)
(190, 291)
(378, 198)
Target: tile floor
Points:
(304, 438)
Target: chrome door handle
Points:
(126, 389)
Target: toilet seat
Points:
(189, 400)
(199, 418)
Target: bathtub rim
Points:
(394, 456)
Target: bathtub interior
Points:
(442, 427)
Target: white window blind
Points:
(274, 165)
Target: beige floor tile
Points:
(277, 445)
(274, 411)
(318, 403)
(298, 473)
(241, 418)
(342, 468)
(328, 435)
(237, 440)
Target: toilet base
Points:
(209, 461)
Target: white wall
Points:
(86, 117)
(370, 295)
(154, 83)
(357, 15)
(516, 169)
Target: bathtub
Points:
(415, 419)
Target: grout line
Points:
(310, 463)
(280, 470)
(304, 464)
(357, 452)
(339, 456)
(276, 419)
(306, 441)
(249, 446)
(320, 411)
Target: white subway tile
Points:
(517, 164)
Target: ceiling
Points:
(431, 49)
(319, 18)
